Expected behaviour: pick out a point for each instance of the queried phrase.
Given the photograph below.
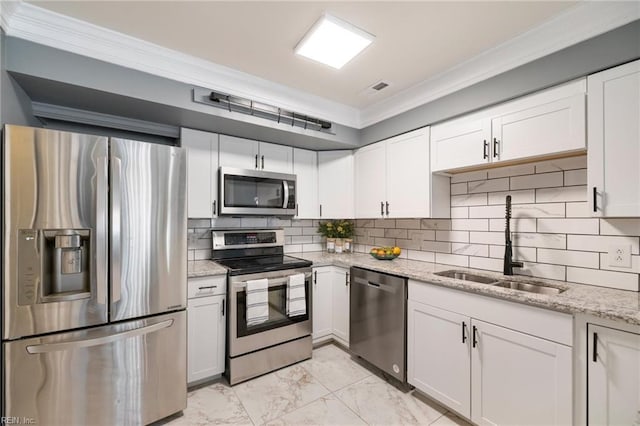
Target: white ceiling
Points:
(415, 41)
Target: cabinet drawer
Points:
(206, 286)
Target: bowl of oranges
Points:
(385, 253)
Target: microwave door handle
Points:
(285, 186)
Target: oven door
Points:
(279, 328)
(255, 192)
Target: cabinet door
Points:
(613, 168)
(460, 143)
(202, 172)
(613, 377)
(239, 153)
(335, 184)
(276, 158)
(370, 180)
(438, 357)
(536, 130)
(206, 337)
(340, 307)
(518, 379)
(305, 167)
(409, 175)
(322, 302)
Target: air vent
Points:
(379, 86)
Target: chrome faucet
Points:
(509, 264)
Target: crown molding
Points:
(51, 29)
(587, 19)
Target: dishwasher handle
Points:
(374, 285)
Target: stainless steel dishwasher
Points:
(378, 320)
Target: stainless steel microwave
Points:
(256, 193)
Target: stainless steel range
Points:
(279, 335)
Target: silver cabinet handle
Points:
(213, 207)
(86, 343)
(263, 162)
(102, 200)
(207, 286)
(116, 231)
(496, 147)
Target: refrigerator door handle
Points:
(116, 231)
(86, 343)
(102, 202)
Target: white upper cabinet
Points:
(544, 124)
(393, 179)
(202, 172)
(614, 141)
(305, 167)
(370, 180)
(249, 154)
(335, 184)
(613, 376)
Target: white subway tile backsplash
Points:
(459, 188)
(469, 200)
(292, 231)
(470, 249)
(486, 237)
(490, 185)
(459, 212)
(435, 224)
(517, 225)
(302, 239)
(538, 210)
(423, 256)
(542, 270)
(557, 241)
(385, 242)
(253, 222)
(569, 226)
(312, 230)
(583, 259)
(469, 176)
(452, 259)
(469, 224)
(635, 264)
(436, 246)
(453, 236)
(522, 169)
(525, 196)
(601, 243)
(579, 210)
(545, 180)
(385, 223)
(302, 222)
(575, 177)
(312, 247)
(602, 278)
(420, 235)
(408, 223)
(522, 254)
(563, 194)
(487, 211)
(486, 263)
(409, 244)
(293, 248)
(395, 233)
(620, 226)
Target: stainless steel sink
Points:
(538, 288)
(461, 275)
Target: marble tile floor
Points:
(329, 389)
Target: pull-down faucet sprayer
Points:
(509, 264)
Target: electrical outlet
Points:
(620, 256)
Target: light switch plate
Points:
(620, 255)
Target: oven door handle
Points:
(273, 282)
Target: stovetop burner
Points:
(256, 264)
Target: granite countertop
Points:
(618, 305)
(204, 268)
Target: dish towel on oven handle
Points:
(296, 297)
(257, 301)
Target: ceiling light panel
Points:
(333, 42)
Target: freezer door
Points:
(148, 229)
(54, 235)
(131, 373)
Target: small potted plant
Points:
(327, 230)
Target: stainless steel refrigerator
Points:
(93, 278)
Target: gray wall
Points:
(15, 105)
(607, 50)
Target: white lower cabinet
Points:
(477, 363)
(330, 304)
(613, 370)
(206, 327)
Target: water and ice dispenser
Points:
(54, 265)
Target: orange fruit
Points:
(396, 251)
(381, 252)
